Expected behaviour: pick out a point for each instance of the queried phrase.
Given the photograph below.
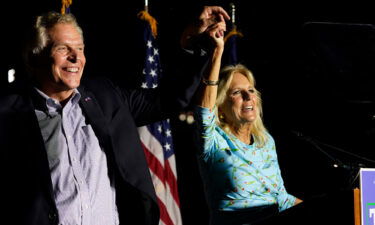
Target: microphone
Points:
(296, 133)
(300, 135)
(336, 163)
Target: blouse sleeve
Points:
(206, 128)
(284, 199)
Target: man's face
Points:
(67, 59)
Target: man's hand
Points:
(210, 16)
(210, 19)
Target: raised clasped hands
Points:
(213, 17)
(211, 21)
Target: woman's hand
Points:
(297, 201)
(216, 32)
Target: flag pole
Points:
(146, 5)
(233, 11)
(144, 15)
(234, 27)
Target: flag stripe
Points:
(168, 201)
(164, 174)
(171, 181)
(151, 143)
(173, 207)
(170, 208)
(164, 215)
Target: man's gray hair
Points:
(40, 38)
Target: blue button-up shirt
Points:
(82, 189)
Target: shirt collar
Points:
(54, 105)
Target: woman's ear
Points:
(221, 113)
(219, 110)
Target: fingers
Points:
(222, 22)
(221, 28)
(217, 30)
(217, 10)
(223, 14)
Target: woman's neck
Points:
(243, 133)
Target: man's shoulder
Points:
(11, 93)
(98, 85)
(101, 85)
(104, 90)
(96, 82)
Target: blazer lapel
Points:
(23, 106)
(95, 116)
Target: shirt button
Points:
(86, 206)
(52, 216)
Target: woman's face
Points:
(239, 107)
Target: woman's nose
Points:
(246, 95)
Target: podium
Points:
(364, 198)
(357, 206)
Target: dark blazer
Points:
(115, 114)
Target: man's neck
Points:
(61, 96)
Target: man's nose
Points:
(73, 56)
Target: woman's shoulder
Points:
(270, 140)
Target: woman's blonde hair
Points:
(258, 130)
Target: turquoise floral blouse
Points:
(236, 175)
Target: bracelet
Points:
(210, 82)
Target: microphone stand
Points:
(354, 170)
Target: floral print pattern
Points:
(237, 175)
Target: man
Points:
(70, 152)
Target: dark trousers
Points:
(325, 209)
(244, 216)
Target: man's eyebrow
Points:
(63, 43)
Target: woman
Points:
(237, 155)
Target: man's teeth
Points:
(72, 69)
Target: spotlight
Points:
(182, 116)
(190, 119)
(11, 76)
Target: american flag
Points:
(157, 143)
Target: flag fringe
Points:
(232, 33)
(65, 5)
(144, 15)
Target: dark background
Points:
(313, 62)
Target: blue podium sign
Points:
(367, 187)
